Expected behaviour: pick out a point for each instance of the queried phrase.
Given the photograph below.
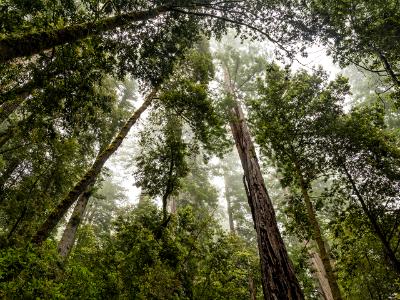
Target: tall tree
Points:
(107, 18)
(278, 278)
(287, 135)
(367, 156)
(90, 176)
(363, 33)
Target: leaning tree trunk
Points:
(320, 274)
(91, 175)
(277, 273)
(68, 238)
(374, 223)
(330, 275)
(36, 42)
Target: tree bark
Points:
(68, 238)
(320, 274)
(330, 275)
(277, 273)
(389, 69)
(172, 205)
(33, 43)
(91, 175)
(252, 288)
(374, 223)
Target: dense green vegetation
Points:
(254, 178)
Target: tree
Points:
(185, 122)
(162, 160)
(136, 16)
(361, 33)
(278, 278)
(90, 176)
(291, 108)
(366, 155)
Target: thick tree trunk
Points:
(374, 223)
(36, 42)
(68, 238)
(229, 205)
(330, 275)
(277, 273)
(91, 175)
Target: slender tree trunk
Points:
(68, 238)
(35, 42)
(389, 69)
(91, 175)
(320, 274)
(252, 288)
(330, 275)
(277, 273)
(229, 205)
(16, 224)
(172, 206)
(374, 223)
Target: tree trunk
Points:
(277, 273)
(91, 175)
(252, 288)
(36, 42)
(320, 274)
(330, 275)
(389, 69)
(374, 223)
(172, 205)
(229, 205)
(10, 106)
(68, 238)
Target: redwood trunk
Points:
(90, 177)
(68, 238)
(277, 273)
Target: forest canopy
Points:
(203, 149)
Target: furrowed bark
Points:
(91, 175)
(68, 238)
(277, 273)
(33, 43)
(330, 275)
